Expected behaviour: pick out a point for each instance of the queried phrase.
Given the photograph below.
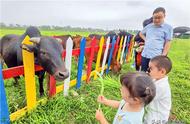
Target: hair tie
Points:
(148, 91)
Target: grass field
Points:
(81, 109)
(5, 31)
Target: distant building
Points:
(182, 32)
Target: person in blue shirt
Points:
(157, 37)
(139, 44)
(137, 91)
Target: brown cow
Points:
(116, 66)
(63, 39)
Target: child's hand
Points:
(99, 115)
(101, 99)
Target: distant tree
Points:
(17, 25)
(3, 25)
(11, 26)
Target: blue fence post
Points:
(80, 62)
(110, 55)
(4, 112)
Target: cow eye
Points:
(43, 52)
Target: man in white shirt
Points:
(158, 110)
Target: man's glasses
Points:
(158, 17)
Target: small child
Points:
(159, 109)
(137, 91)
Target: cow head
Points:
(48, 53)
(116, 67)
(76, 41)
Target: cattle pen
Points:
(120, 47)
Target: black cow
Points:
(124, 33)
(97, 36)
(111, 34)
(47, 52)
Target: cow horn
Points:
(35, 40)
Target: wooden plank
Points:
(99, 55)
(130, 51)
(29, 73)
(93, 43)
(127, 48)
(52, 86)
(123, 49)
(4, 112)
(105, 54)
(21, 112)
(16, 71)
(80, 62)
(119, 51)
(116, 48)
(110, 55)
(68, 62)
(76, 52)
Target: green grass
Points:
(81, 109)
(77, 109)
(180, 79)
(4, 31)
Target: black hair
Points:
(140, 85)
(159, 9)
(162, 62)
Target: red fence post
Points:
(52, 86)
(93, 43)
(116, 47)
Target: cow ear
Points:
(29, 48)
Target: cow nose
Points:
(63, 74)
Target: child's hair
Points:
(162, 62)
(140, 85)
(159, 9)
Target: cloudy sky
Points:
(105, 14)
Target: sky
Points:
(103, 14)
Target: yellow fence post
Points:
(29, 74)
(119, 51)
(99, 55)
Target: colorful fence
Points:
(117, 46)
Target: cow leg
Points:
(1, 61)
(41, 78)
(76, 58)
(48, 80)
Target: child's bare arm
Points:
(166, 48)
(142, 36)
(108, 102)
(100, 117)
